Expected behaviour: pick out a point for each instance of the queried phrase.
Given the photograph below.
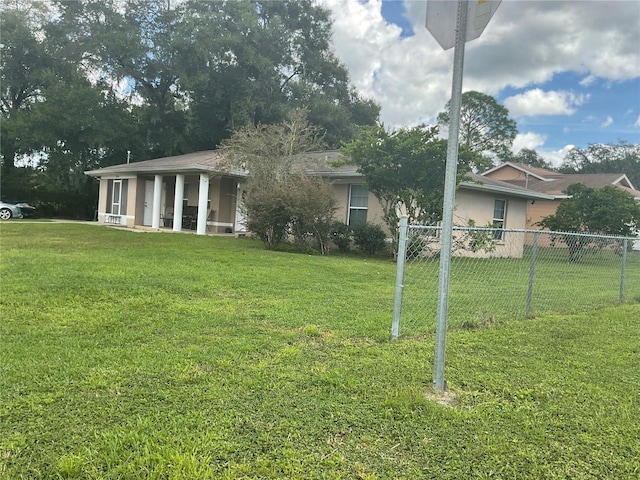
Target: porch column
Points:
(203, 196)
(157, 198)
(177, 203)
(240, 226)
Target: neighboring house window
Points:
(358, 203)
(117, 197)
(499, 218)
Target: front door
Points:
(148, 202)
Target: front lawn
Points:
(141, 355)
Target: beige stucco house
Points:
(198, 192)
(553, 184)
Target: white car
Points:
(9, 210)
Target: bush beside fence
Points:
(499, 274)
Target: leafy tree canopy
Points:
(204, 69)
(605, 211)
(485, 125)
(621, 157)
(608, 211)
(87, 80)
(405, 170)
(528, 156)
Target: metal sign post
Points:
(439, 16)
(449, 197)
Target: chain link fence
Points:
(500, 274)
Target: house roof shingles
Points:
(329, 164)
(211, 161)
(555, 183)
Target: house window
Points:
(358, 203)
(185, 196)
(499, 218)
(117, 197)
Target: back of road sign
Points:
(441, 19)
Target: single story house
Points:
(199, 192)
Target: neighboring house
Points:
(554, 184)
(198, 192)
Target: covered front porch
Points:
(192, 192)
(203, 203)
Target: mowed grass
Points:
(142, 355)
(496, 289)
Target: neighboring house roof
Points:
(635, 193)
(486, 184)
(328, 164)
(555, 183)
(539, 173)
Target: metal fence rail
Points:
(499, 274)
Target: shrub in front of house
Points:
(341, 235)
(369, 238)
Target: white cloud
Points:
(538, 102)
(607, 122)
(528, 140)
(588, 81)
(637, 124)
(556, 157)
(410, 77)
(526, 43)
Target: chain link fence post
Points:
(532, 272)
(402, 255)
(625, 245)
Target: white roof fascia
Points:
(168, 169)
(505, 190)
(336, 174)
(626, 179)
(116, 176)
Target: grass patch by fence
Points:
(484, 290)
(138, 355)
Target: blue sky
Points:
(568, 71)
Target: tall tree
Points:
(201, 70)
(621, 157)
(528, 156)
(485, 125)
(131, 45)
(190, 73)
(23, 65)
(52, 113)
(251, 62)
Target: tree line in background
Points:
(86, 82)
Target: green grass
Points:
(138, 355)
